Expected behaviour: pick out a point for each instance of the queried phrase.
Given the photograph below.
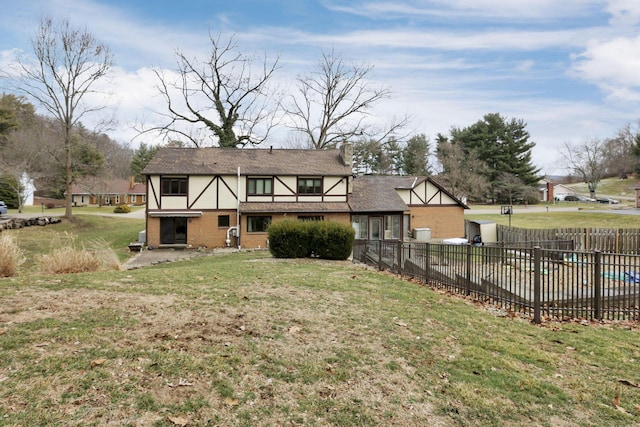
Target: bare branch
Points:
(222, 95)
(332, 104)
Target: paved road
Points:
(622, 210)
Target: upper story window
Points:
(309, 185)
(259, 186)
(174, 186)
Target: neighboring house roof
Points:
(93, 185)
(226, 161)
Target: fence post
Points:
(379, 254)
(467, 285)
(400, 256)
(597, 285)
(427, 263)
(536, 284)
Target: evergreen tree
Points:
(505, 147)
(416, 156)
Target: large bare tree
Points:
(587, 160)
(222, 100)
(333, 102)
(68, 64)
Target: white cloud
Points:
(613, 65)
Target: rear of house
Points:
(215, 197)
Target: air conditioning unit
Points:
(422, 234)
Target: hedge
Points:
(292, 238)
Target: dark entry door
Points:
(173, 231)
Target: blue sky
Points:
(570, 69)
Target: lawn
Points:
(248, 340)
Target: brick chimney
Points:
(346, 153)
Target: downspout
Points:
(238, 210)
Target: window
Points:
(133, 198)
(360, 224)
(223, 221)
(258, 224)
(309, 185)
(259, 186)
(311, 218)
(392, 226)
(174, 186)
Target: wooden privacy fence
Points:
(542, 283)
(610, 240)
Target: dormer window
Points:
(310, 186)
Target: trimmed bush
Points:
(122, 209)
(290, 239)
(331, 240)
(299, 239)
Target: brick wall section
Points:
(204, 231)
(444, 221)
(255, 240)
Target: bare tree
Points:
(587, 160)
(69, 63)
(463, 174)
(223, 95)
(333, 102)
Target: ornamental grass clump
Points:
(74, 258)
(11, 257)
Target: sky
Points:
(569, 69)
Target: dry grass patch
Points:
(74, 258)
(11, 257)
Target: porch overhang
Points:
(174, 214)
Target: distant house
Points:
(101, 191)
(560, 191)
(217, 196)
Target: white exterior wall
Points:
(426, 191)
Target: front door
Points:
(375, 228)
(173, 231)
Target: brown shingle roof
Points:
(378, 194)
(225, 161)
(95, 185)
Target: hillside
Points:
(623, 189)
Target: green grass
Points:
(556, 219)
(248, 340)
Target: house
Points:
(560, 191)
(392, 207)
(92, 190)
(214, 197)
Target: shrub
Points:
(298, 239)
(332, 240)
(289, 239)
(10, 256)
(122, 209)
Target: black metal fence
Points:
(543, 283)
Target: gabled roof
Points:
(225, 161)
(378, 193)
(94, 185)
